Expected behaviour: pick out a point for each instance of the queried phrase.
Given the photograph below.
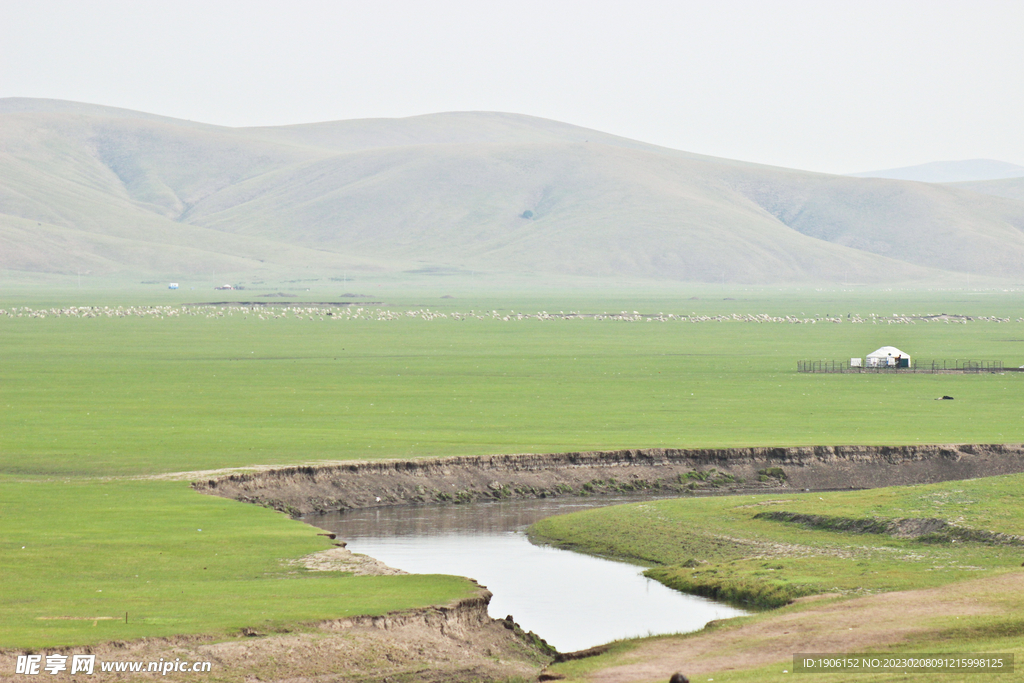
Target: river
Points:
(572, 600)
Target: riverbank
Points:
(444, 644)
(328, 488)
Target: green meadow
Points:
(94, 560)
(93, 409)
(120, 396)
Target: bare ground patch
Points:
(817, 625)
(344, 560)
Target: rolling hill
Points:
(85, 188)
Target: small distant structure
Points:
(173, 285)
(888, 357)
(224, 287)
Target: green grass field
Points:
(89, 405)
(78, 557)
(113, 396)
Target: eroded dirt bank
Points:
(447, 644)
(317, 489)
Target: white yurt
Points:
(888, 356)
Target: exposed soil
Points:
(857, 625)
(344, 560)
(330, 487)
(437, 645)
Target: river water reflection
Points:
(573, 601)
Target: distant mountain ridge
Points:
(110, 191)
(967, 170)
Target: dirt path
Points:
(830, 627)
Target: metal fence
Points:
(927, 366)
(965, 365)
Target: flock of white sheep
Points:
(299, 312)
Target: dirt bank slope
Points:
(446, 644)
(312, 489)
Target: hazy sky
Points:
(820, 85)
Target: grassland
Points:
(135, 395)
(958, 596)
(91, 408)
(85, 561)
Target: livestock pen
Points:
(928, 366)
